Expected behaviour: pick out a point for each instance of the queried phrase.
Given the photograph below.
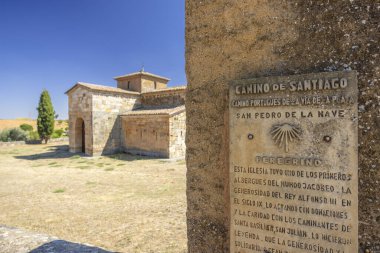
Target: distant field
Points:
(12, 123)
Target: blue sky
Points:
(52, 44)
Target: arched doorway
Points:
(80, 136)
(83, 138)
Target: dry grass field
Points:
(12, 123)
(121, 203)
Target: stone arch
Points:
(80, 135)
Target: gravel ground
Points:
(120, 203)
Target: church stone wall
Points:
(146, 135)
(134, 84)
(232, 40)
(141, 83)
(164, 98)
(80, 107)
(150, 83)
(177, 125)
(106, 121)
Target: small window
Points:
(128, 85)
(155, 85)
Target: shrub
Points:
(26, 127)
(57, 133)
(4, 135)
(14, 134)
(17, 134)
(34, 136)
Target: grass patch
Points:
(109, 169)
(83, 167)
(100, 165)
(11, 152)
(181, 162)
(36, 165)
(14, 152)
(59, 190)
(90, 183)
(75, 157)
(53, 163)
(120, 164)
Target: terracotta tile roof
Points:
(142, 73)
(101, 88)
(177, 88)
(155, 111)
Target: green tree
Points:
(45, 120)
(26, 127)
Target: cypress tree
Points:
(45, 120)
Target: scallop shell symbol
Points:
(284, 134)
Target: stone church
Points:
(141, 116)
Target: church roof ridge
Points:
(100, 87)
(156, 111)
(141, 73)
(176, 88)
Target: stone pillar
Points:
(229, 40)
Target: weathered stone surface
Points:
(100, 113)
(231, 40)
(14, 240)
(162, 98)
(80, 103)
(106, 124)
(141, 82)
(294, 163)
(158, 132)
(177, 133)
(146, 135)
